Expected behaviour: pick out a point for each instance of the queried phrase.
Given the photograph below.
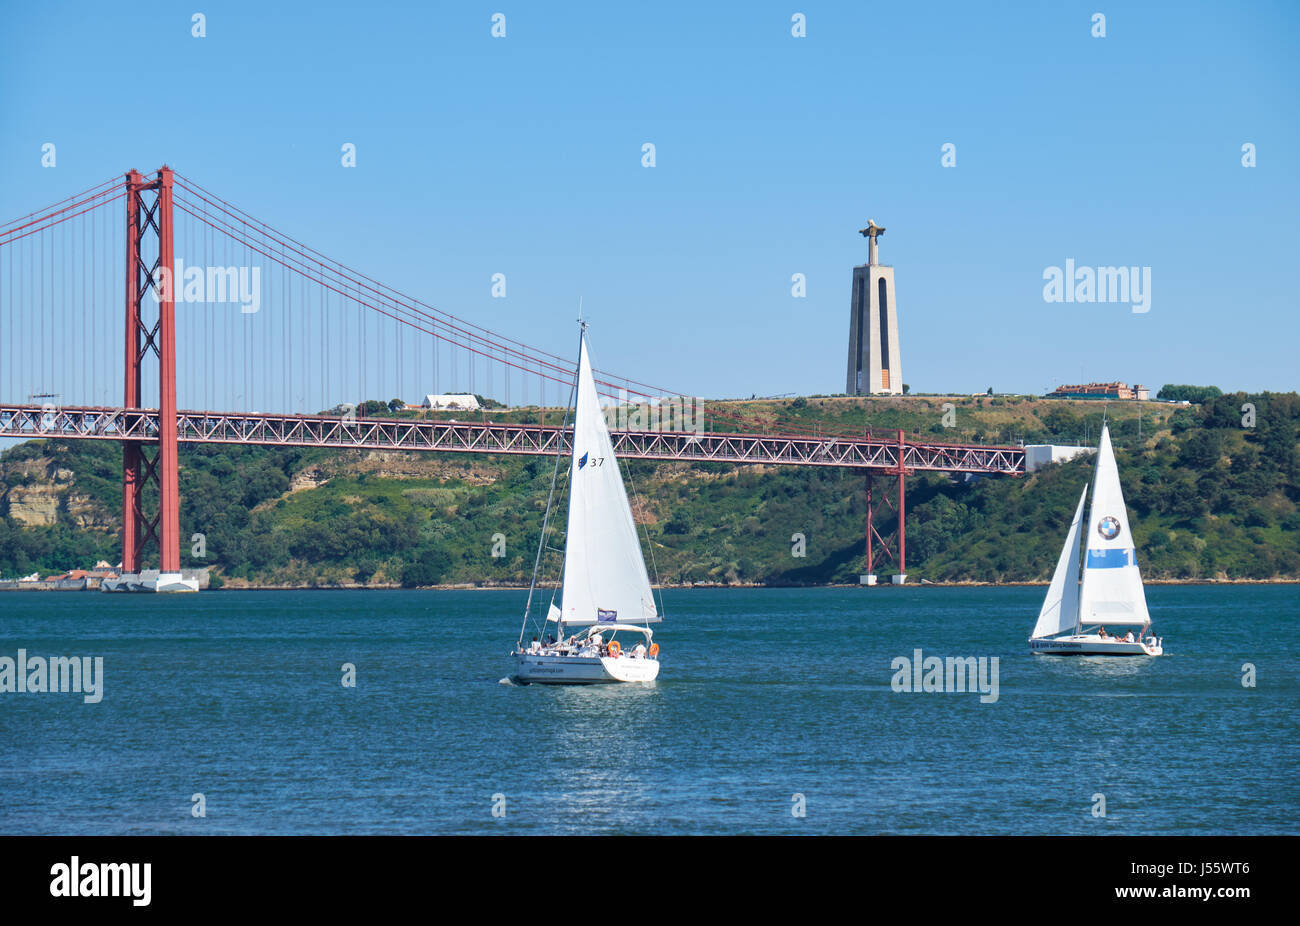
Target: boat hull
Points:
(544, 669)
(1093, 645)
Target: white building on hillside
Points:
(459, 401)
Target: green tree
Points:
(1174, 392)
(427, 569)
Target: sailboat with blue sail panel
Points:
(1086, 600)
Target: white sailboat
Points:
(605, 589)
(1076, 615)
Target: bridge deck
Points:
(873, 453)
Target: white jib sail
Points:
(1112, 585)
(605, 578)
(1061, 606)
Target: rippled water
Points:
(764, 694)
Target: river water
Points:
(770, 703)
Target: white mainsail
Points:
(1112, 591)
(605, 578)
(1061, 606)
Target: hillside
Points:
(1212, 500)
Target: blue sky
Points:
(522, 155)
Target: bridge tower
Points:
(153, 460)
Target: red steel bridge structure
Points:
(396, 340)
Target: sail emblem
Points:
(1108, 527)
(582, 461)
(602, 615)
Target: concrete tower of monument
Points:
(875, 358)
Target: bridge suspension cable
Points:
(230, 361)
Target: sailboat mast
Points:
(573, 451)
(1077, 591)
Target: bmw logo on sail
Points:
(1108, 527)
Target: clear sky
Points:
(522, 155)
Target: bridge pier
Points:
(881, 548)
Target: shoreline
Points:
(464, 587)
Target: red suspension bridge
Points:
(267, 320)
